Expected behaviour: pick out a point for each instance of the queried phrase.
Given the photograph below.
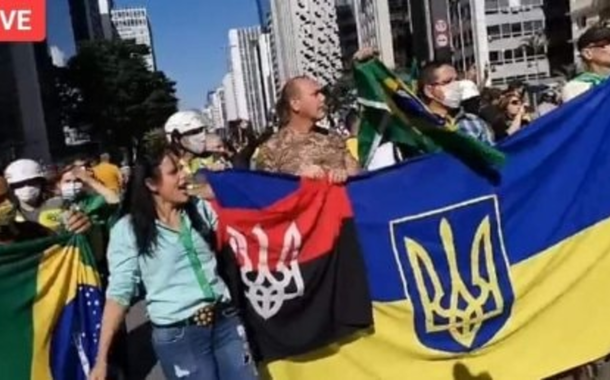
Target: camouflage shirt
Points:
(289, 151)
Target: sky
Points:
(190, 39)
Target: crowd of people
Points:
(152, 223)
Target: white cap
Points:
(23, 170)
(186, 121)
(469, 89)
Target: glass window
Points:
(519, 55)
(508, 55)
(516, 29)
(493, 31)
(505, 30)
(494, 56)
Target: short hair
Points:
(427, 76)
(289, 92)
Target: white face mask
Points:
(195, 143)
(28, 194)
(71, 190)
(452, 95)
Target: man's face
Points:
(446, 76)
(598, 53)
(309, 102)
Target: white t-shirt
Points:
(573, 89)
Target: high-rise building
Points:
(250, 66)
(105, 7)
(230, 104)
(374, 28)
(305, 40)
(512, 39)
(216, 107)
(86, 20)
(133, 24)
(348, 30)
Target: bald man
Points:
(298, 148)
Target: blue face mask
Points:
(71, 190)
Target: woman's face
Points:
(171, 185)
(514, 106)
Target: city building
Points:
(348, 30)
(264, 13)
(105, 7)
(251, 68)
(133, 24)
(305, 40)
(374, 28)
(216, 107)
(510, 39)
(402, 34)
(86, 20)
(230, 101)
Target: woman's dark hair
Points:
(139, 203)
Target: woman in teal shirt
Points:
(162, 242)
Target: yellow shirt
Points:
(109, 175)
(352, 146)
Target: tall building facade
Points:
(216, 107)
(105, 7)
(374, 28)
(511, 39)
(133, 24)
(230, 100)
(348, 30)
(305, 40)
(251, 68)
(86, 20)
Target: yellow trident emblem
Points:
(466, 312)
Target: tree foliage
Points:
(108, 88)
(341, 95)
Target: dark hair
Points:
(139, 203)
(427, 76)
(351, 118)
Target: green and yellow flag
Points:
(391, 111)
(52, 303)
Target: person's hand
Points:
(77, 222)
(203, 191)
(82, 173)
(312, 172)
(338, 176)
(217, 166)
(364, 54)
(99, 371)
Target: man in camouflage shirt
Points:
(299, 147)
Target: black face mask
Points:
(472, 105)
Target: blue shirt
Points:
(474, 127)
(172, 291)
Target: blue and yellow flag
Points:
(51, 311)
(506, 279)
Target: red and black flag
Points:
(300, 278)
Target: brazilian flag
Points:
(52, 304)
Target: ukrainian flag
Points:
(51, 311)
(505, 278)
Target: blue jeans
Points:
(220, 352)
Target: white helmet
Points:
(23, 170)
(469, 89)
(186, 121)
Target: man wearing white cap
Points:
(187, 130)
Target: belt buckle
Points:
(204, 316)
